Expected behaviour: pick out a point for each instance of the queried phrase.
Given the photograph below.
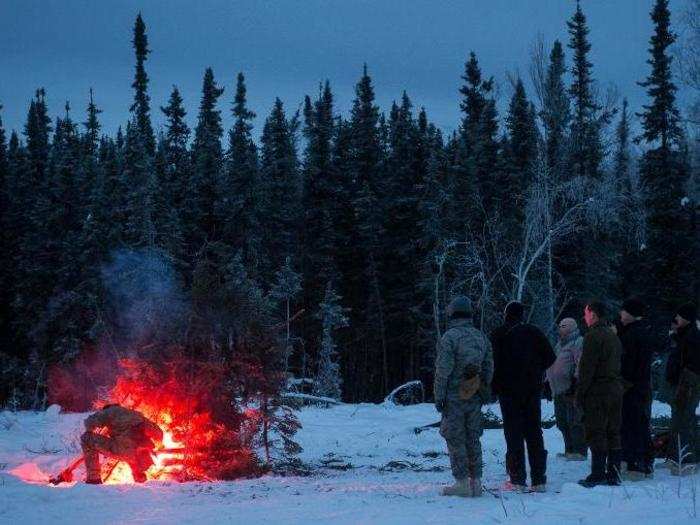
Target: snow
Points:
(370, 467)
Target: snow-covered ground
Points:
(370, 468)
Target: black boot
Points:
(614, 467)
(597, 475)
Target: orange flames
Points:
(205, 437)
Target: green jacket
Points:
(599, 368)
(462, 346)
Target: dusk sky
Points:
(285, 48)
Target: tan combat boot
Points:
(461, 487)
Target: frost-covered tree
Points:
(328, 379)
(286, 287)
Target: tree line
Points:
(353, 231)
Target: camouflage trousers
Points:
(138, 459)
(461, 427)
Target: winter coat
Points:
(521, 355)
(683, 367)
(561, 374)
(599, 368)
(128, 428)
(638, 346)
(462, 348)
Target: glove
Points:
(440, 405)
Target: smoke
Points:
(144, 297)
(146, 313)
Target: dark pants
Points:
(635, 431)
(602, 416)
(521, 426)
(684, 425)
(570, 423)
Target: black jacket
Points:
(521, 354)
(686, 354)
(638, 347)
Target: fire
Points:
(204, 436)
(167, 459)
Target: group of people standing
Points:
(600, 383)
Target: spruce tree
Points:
(139, 178)
(286, 287)
(586, 149)
(328, 378)
(321, 197)
(279, 171)
(522, 146)
(364, 280)
(555, 113)
(141, 105)
(475, 93)
(672, 235)
(32, 204)
(174, 169)
(404, 175)
(6, 263)
(242, 188)
(487, 169)
(203, 194)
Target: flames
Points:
(205, 435)
(168, 459)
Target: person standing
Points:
(599, 396)
(463, 373)
(685, 377)
(637, 353)
(521, 354)
(561, 377)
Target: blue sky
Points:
(285, 48)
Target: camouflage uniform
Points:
(461, 347)
(130, 439)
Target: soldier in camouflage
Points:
(463, 372)
(130, 437)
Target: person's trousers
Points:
(461, 426)
(521, 427)
(684, 425)
(602, 415)
(95, 444)
(570, 423)
(635, 431)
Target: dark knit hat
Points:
(689, 312)
(515, 310)
(634, 306)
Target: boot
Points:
(634, 472)
(93, 481)
(461, 487)
(597, 475)
(475, 484)
(575, 456)
(614, 467)
(539, 488)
